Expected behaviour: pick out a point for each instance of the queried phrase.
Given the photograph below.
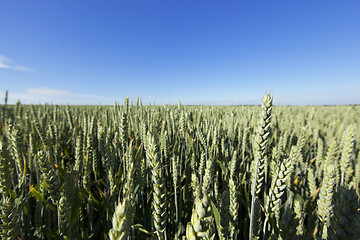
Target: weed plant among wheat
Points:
(179, 172)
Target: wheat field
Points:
(131, 171)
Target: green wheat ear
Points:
(300, 216)
(124, 212)
(201, 224)
(348, 142)
(325, 201)
(5, 181)
(261, 139)
(311, 182)
(10, 226)
(278, 186)
(159, 195)
(233, 207)
(122, 220)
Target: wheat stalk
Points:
(261, 139)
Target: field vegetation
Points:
(179, 172)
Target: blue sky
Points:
(195, 51)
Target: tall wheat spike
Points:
(159, 201)
(348, 146)
(175, 170)
(300, 216)
(325, 201)
(319, 154)
(278, 186)
(311, 182)
(5, 181)
(261, 139)
(233, 207)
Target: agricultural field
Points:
(131, 171)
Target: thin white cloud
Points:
(7, 63)
(51, 92)
(88, 96)
(44, 95)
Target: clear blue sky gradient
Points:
(195, 51)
